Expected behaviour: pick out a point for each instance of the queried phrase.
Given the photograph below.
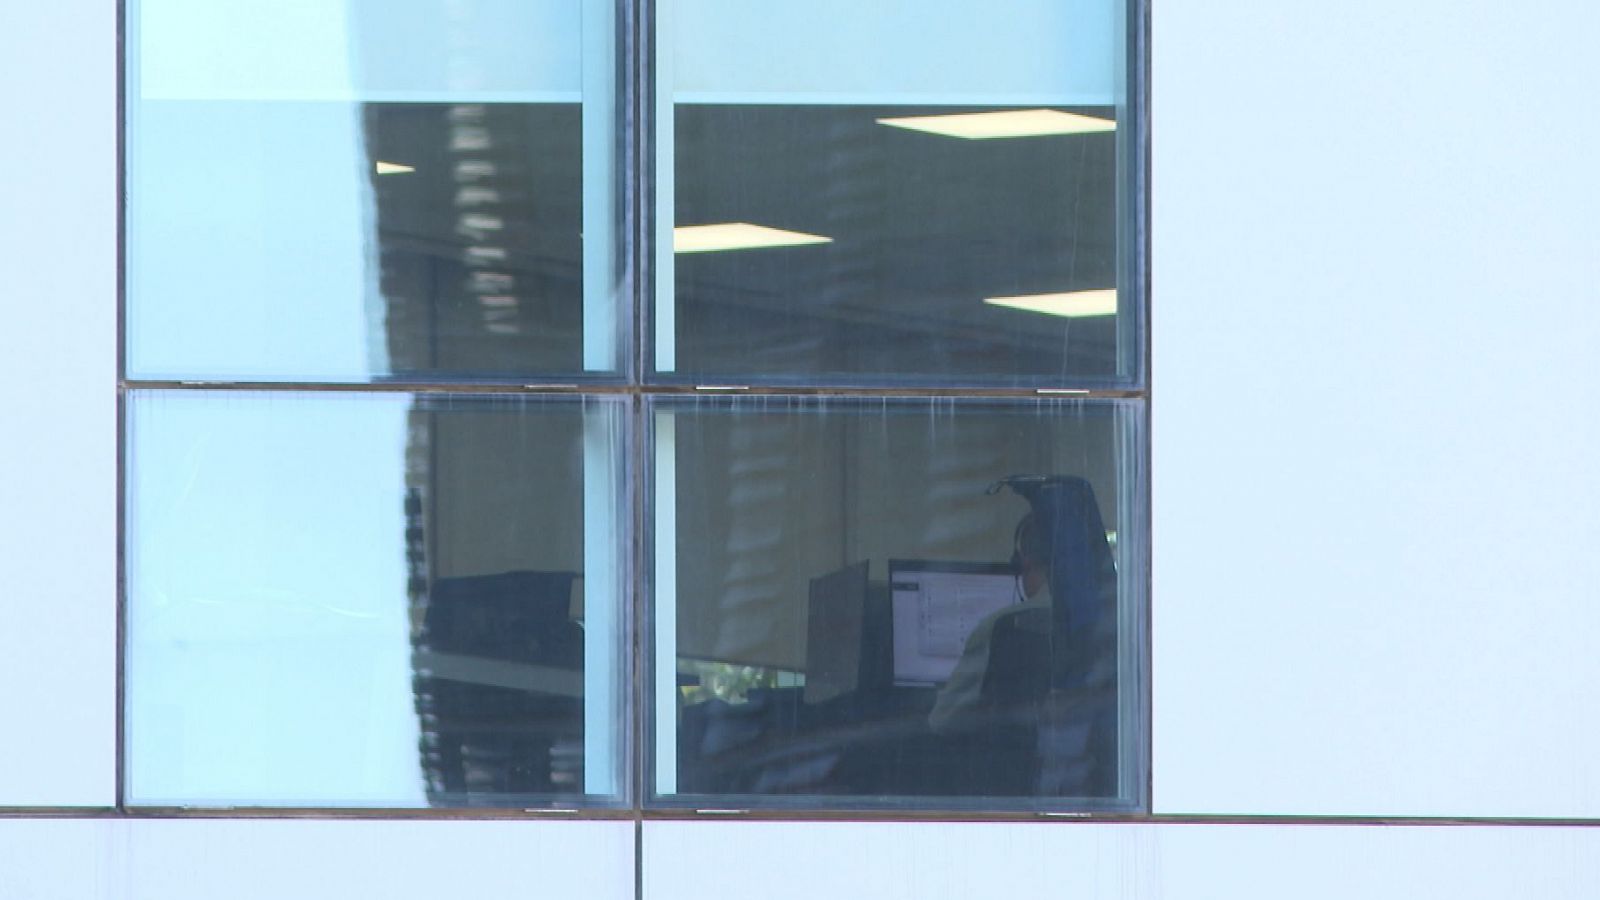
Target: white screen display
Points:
(934, 614)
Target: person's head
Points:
(1030, 556)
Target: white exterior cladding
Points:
(1377, 293)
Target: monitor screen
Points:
(936, 607)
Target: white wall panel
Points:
(1340, 862)
(153, 859)
(1376, 314)
(58, 351)
(58, 859)
(416, 860)
(888, 861)
(806, 861)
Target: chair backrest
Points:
(520, 617)
(1018, 671)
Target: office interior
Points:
(790, 516)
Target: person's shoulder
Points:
(1032, 614)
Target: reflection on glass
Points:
(396, 194)
(479, 255)
(938, 178)
(894, 599)
(372, 599)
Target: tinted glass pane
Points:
(372, 191)
(863, 196)
(896, 599)
(372, 600)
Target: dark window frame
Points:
(636, 45)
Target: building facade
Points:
(1355, 615)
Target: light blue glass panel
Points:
(372, 191)
(894, 51)
(372, 599)
(412, 50)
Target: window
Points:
(587, 404)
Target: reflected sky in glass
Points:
(400, 198)
(369, 599)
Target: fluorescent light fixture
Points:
(738, 236)
(1074, 305)
(1007, 123)
(389, 168)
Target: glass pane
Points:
(372, 191)
(876, 601)
(373, 599)
(868, 194)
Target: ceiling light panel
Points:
(1073, 305)
(738, 236)
(1011, 123)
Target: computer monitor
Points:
(936, 606)
(836, 633)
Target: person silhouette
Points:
(960, 702)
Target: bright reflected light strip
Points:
(1007, 123)
(1073, 305)
(738, 236)
(389, 168)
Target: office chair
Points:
(482, 739)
